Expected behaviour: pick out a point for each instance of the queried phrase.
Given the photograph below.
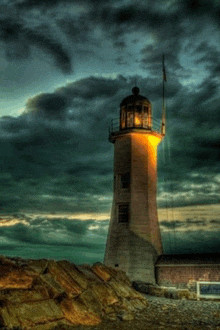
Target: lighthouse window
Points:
(138, 108)
(123, 213)
(129, 119)
(125, 180)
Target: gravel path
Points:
(204, 314)
(167, 314)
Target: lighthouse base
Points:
(128, 252)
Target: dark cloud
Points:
(93, 87)
(169, 29)
(56, 153)
(59, 238)
(18, 38)
(12, 34)
(186, 225)
(196, 241)
(10, 30)
(210, 56)
(53, 47)
(46, 155)
(78, 30)
(170, 225)
(41, 3)
(201, 8)
(58, 149)
(51, 3)
(169, 24)
(51, 105)
(42, 230)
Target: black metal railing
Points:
(115, 126)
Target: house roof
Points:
(188, 259)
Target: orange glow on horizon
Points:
(11, 222)
(76, 216)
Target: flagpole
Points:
(163, 105)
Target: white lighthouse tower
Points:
(134, 240)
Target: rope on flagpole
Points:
(163, 131)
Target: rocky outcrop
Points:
(42, 294)
(166, 292)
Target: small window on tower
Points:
(123, 213)
(125, 180)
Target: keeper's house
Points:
(186, 270)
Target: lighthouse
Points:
(134, 240)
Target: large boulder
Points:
(77, 312)
(43, 294)
(28, 314)
(13, 276)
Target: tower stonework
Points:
(134, 240)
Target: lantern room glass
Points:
(135, 116)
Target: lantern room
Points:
(135, 111)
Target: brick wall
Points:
(186, 276)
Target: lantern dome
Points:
(134, 97)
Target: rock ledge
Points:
(43, 294)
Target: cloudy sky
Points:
(65, 67)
